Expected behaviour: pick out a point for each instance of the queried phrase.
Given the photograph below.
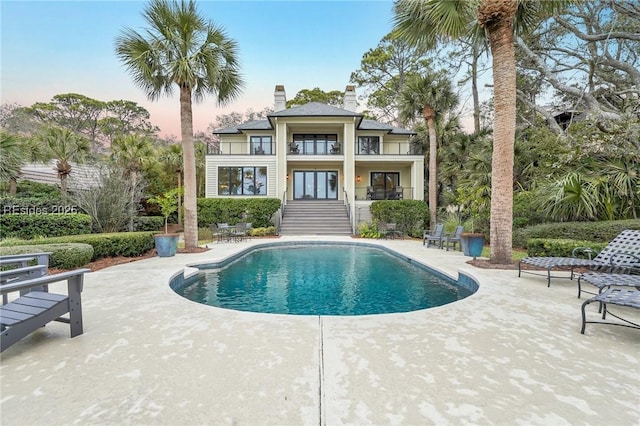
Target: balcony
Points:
(370, 193)
(240, 148)
(314, 148)
(389, 148)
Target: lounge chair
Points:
(437, 236)
(452, 240)
(621, 253)
(604, 281)
(613, 296)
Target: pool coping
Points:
(510, 353)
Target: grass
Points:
(516, 254)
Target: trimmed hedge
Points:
(410, 216)
(258, 211)
(603, 231)
(35, 205)
(148, 223)
(63, 256)
(129, 244)
(561, 247)
(43, 225)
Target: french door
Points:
(315, 185)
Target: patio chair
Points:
(622, 253)
(399, 193)
(603, 281)
(240, 232)
(216, 233)
(335, 148)
(452, 240)
(436, 236)
(293, 148)
(383, 229)
(370, 193)
(613, 296)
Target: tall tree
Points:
(383, 73)
(11, 159)
(132, 153)
(431, 96)
(304, 96)
(423, 21)
(65, 147)
(180, 48)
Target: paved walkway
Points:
(510, 354)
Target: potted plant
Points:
(472, 242)
(167, 244)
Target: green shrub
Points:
(258, 211)
(43, 225)
(410, 216)
(32, 189)
(263, 231)
(35, 205)
(148, 223)
(368, 230)
(603, 231)
(129, 244)
(63, 256)
(561, 247)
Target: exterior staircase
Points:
(317, 217)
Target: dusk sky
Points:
(57, 47)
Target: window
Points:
(260, 145)
(315, 144)
(242, 181)
(368, 145)
(384, 185)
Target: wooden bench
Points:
(36, 308)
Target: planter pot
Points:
(472, 244)
(166, 244)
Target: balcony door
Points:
(315, 185)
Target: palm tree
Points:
(431, 96)
(171, 157)
(132, 153)
(11, 159)
(425, 21)
(64, 146)
(182, 49)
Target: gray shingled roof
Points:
(314, 109)
(249, 125)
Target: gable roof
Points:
(313, 109)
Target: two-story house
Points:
(317, 153)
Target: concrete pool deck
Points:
(510, 354)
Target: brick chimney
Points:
(350, 101)
(280, 99)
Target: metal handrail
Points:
(346, 202)
(281, 211)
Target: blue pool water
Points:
(322, 280)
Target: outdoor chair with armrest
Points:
(436, 236)
(452, 240)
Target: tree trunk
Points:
(179, 199)
(474, 89)
(433, 164)
(13, 186)
(504, 94)
(189, 158)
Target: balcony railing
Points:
(240, 148)
(389, 148)
(300, 148)
(374, 193)
(315, 148)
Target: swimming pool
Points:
(321, 279)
